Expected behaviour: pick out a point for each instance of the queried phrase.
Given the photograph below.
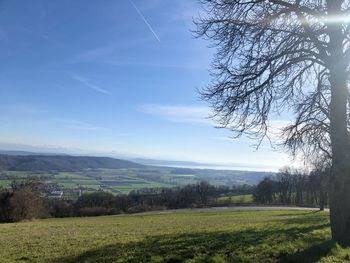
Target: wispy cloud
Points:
(23, 109)
(224, 138)
(274, 132)
(276, 127)
(185, 11)
(96, 53)
(156, 65)
(88, 83)
(145, 20)
(179, 113)
(79, 125)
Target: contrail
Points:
(144, 20)
(86, 82)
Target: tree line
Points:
(27, 199)
(295, 187)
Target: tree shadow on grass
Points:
(311, 254)
(249, 245)
(314, 220)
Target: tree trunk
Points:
(340, 202)
(340, 172)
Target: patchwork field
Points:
(245, 236)
(124, 180)
(118, 181)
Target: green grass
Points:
(70, 176)
(247, 236)
(115, 180)
(235, 199)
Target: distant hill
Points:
(5, 152)
(60, 163)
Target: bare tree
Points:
(310, 132)
(286, 184)
(277, 55)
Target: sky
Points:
(113, 78)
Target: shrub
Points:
(26, 204)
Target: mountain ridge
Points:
(61, 163)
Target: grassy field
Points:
(246, 236)
(235, 199)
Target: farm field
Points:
(124, 180)
(118, 181)
(211, 236)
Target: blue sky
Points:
(112, 77)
